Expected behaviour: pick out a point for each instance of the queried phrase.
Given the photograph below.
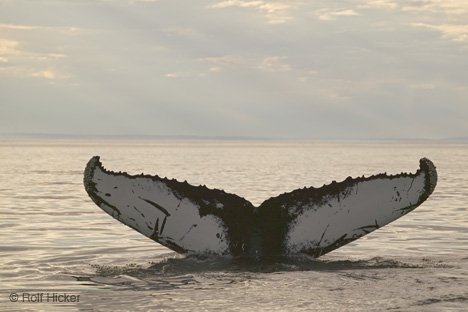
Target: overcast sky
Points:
(254, 68)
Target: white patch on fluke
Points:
(356, 211)
(183, 226)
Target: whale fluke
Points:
(199, 220)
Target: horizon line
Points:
(57, 136)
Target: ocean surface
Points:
(54, 241)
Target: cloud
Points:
(46, 74)
(275, 12)
(186, 32)
(329, 15)
(384, 4)
(445, 17)
(224, 54)
(18, 27)
(423, 86)
(220, 63)
(22, 27)
(129, 1)
(453, 7)
(215, 69)
(50, 56)
(235, 62)
(8, 47)
(143, 1)
(183, 74)
(274, 64)
(28, 62)
(454, 32)
(30, 72)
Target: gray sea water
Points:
(55, 240)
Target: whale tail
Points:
(195, 219)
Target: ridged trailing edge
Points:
(314, 221)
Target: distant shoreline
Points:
(79, 137)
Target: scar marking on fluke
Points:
(193, 226)
(159, 207)
(323, 234)
(163, 224)
(155, 234)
